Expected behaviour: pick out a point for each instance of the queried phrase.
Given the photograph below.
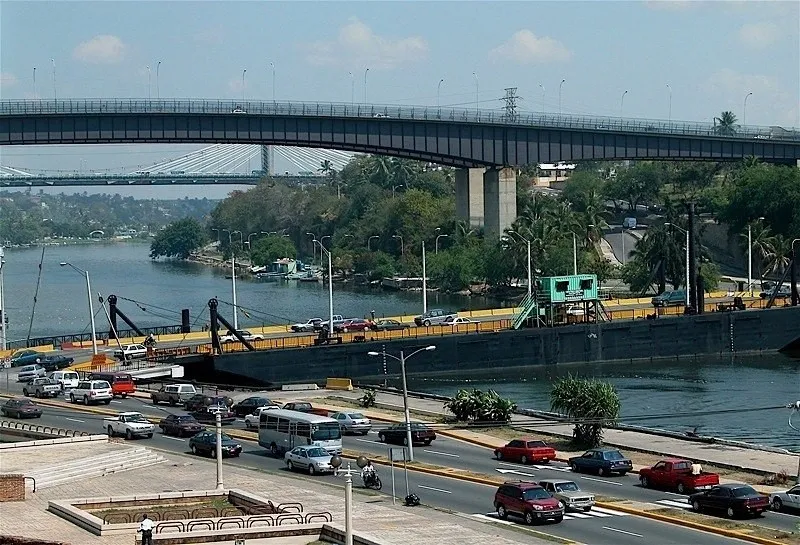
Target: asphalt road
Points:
(615, 237)
(475, 500)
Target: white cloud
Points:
(7, 80)
(759, 35)
(770, 103)
(524, 47)
(357, 45)
(102, 49)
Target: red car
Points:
(354, 324)
(528, 500)
(526, 451)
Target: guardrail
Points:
(388, 113)
(239, 522)
(44, 430)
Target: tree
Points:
(477, 406)
(725, 124)
(590, 404)
(268, 249)
(639, 184)
(178, 239)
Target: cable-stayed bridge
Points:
(219, 164)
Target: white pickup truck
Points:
(42, 387)
(128, 424)
(131, 352)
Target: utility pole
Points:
(510, 100)
(2, 308)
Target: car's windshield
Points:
(326, 432)
(136, 418)
(743, 491)
(614, 455)
(102, 384)
(536, 444)
(567, 487)
(317, 453)
(535, 494)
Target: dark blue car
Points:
(602, 461)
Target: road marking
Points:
(441, 453)
(368, 441)
(493, 519)
(608, 511)
(602, 481)
(515, 472)
(580, 516)
(174, 438)
(115, 401)
(434, 489)
(673, 503)
(74, 420)
(621, 531)
(676, 494)
(554, 468)
(509, 465)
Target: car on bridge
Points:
(309, 326)
(249, 337)
(238, 110)
(674, 298)
(434, 317)
(388, 324)
(21, 408)
(602, 461)
(352, 324)
(457, 320)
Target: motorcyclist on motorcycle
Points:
(368, 473)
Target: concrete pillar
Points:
(500, 200)
(469, 196)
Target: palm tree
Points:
(590, 403)
(762, 240)
(325, 167)
(725, 124)
(776, 259)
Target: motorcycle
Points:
(373, 481)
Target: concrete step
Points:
(93, 467)
(102, 471)
(84, 463)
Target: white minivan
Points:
(67, 379)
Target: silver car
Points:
(312, 459)
(30, 372)
(785, 500)
(353, 422)
(569, 494)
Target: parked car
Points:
(20, 407)
(253, 419)
(129, 424)
(676, 474)
(66, 379)
(602, 461)
(174, 394)
(785, 500)
(26, 357)
(352, 324)
(310, 458)
(337, 319)
(247, 406)
(201, 401)
(457, 320)
(309, 326)
(205, 443)
(56, 362)
(131, 352)
(433, 317)
(420, 433)
(209, 415)
(734, 500)
(673, 298)
(91, 391)
(528, 500)
(42, 387)
(180, 425)
(352, 422)
(526, 451)
(301, 406)
(629, 223)
(388, 324)
(229, 337)
(569, 493)
(30, 372)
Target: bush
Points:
(477, 406)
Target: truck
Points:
(677, 474)
(42, 387)
(434, 316)
(129, 424)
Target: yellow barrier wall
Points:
(339, 384)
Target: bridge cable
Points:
(282, 319)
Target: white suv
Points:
(91, 391)
(67, 379)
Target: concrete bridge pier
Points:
(500, 200)
(469, 196)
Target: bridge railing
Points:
(388, 112)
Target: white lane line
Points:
(578, 516)
(441, 453)
(174, 438)
(509, 465)
(673, 503)
(602, 481)
(554, 468)
(434, 489)
(368, 441)
(494, 519)
(115, 401)
(676, 494)
(598, 514)
(621, 531)
(608, 511)
(74, 420)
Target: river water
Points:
(668, 395)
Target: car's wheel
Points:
(427, 323)
(529, 518)
(573, 466)
(273, 448)
(124, 395)
(601, 471)
(86, 400)
(498, 454)
(623, 473)
(381, 438)
(71, 397)
(193, 449)
(587, 509)
(110, 431)
(427, 442)
(149, 435)
(558, 519)
(365, 432)
(172, 403)
(25, 392)
(502, 514)
(311, 470)
(645, 482)
(289, 465)
(128, 434)
(777, 504)
(524, 460)
(405, 441)
(213, 452)
(107, 402)
(681, 488)
(696, 507)
(730, 513)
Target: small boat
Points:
(310, 276)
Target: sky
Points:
(687, 59)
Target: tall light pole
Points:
(424, 282)
(352, 89)
(394, 187)
(682, 230)
(158, 89)
(314, 248)
(365, 85)
(622, 238)
(218, 447)
(273, 80)
(477, 93)
(437, 241)
(330, 284)
(750, 256)
(248, 240)
(370, 240)
(670, 103)
(243, 73)
(149, 79)
(34, 83)
(55, 95)
(402, 247)
(622, 102)
(744, 110)
(2, 308)
(574, 254)
(91, 305)
(217, 230)
(543, 91)
(402, 359)
(439, 93)
(559, 95)
(233, 282)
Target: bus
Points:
(281, 430)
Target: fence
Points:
(240, 522)
(44, 430)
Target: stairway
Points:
(526, 307)
(94, 466)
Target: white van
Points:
(67, 379)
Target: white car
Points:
(91, 391)
(458, 320)
(309, 326)
(353, 422)
(131, 351)
(310, 458)
(790, 499)
(30, 372)
(129, 424)
(67, 379)
(252, 420)
(238, 110)
(249, 337)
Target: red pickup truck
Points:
(676, 474)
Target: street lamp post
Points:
(243, 73)
(394, 187)
(314, 248)
(249, 247)
(574, 254)
(352, 89)
(477, 93)
(559, 95)
(543, 91)
(438, 93)
(670, 102)
(2, 308)
(158, 89)
(218, 446)
(744, 109)
(330, 283)
(424, 282)
(149, 79)
(34, 83)
(402, 247)
(53, 62)
(402, 359)
(365, 85)
(273, 81)
(622, 102)
(370, 240)
(682, 230)
(91, 305)
(437, 241)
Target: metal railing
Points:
(380, 113)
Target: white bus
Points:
(281, 430)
